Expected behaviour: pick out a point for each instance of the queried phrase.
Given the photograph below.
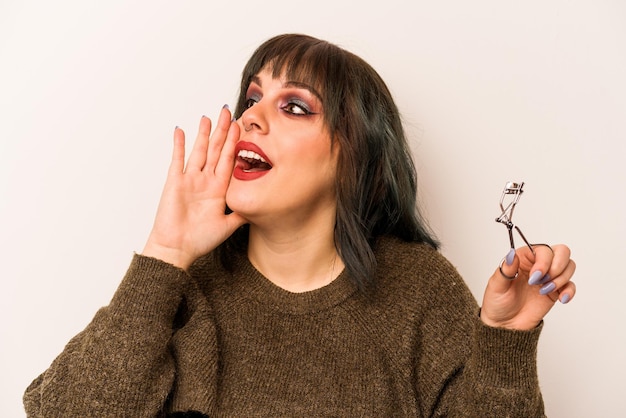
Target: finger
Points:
(226, 163)
(197, 159)
(537, 263)
(560, 261)
(506, 273)
(177, 164)
(567, 293)
(218, 138)
(560, 281)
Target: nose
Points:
(255, 119)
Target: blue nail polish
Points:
(545, 279)
(510, 257)
(564, 298)
(547, 288)
(535, 278)
(226, 106)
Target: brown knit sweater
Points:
(235, 345)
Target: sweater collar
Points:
(250, 282)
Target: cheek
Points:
(318, 172)
(310, 150)
(312, 171)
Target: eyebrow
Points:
(294, 84)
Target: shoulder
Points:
(418, 270)
(397, 257)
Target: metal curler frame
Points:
(505, 218)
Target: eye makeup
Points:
(292, 98)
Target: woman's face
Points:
(285, 167)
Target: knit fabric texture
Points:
(232, 344)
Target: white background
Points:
(490, 91)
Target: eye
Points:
(249, 103)
(297, 107)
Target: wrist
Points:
(511, 324)
(173, 256)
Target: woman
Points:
(289, 274)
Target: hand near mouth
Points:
(191, 220)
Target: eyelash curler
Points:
(510, 197)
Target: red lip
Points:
(239, 173)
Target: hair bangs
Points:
(298, 58)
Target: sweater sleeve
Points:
(502, 372)
(119, 365)
(498, 379)
(476, 370)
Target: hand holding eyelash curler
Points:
(513, 191)
(529, 280)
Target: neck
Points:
(294, 260)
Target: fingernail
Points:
(226, 106)
(547, 288)
(535, 278)
(545, 279)
(564, 298)
(510, 257)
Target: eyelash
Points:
(287, 107)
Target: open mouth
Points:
(250, 161)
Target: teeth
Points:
(250, 154)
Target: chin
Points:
(241, 202)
